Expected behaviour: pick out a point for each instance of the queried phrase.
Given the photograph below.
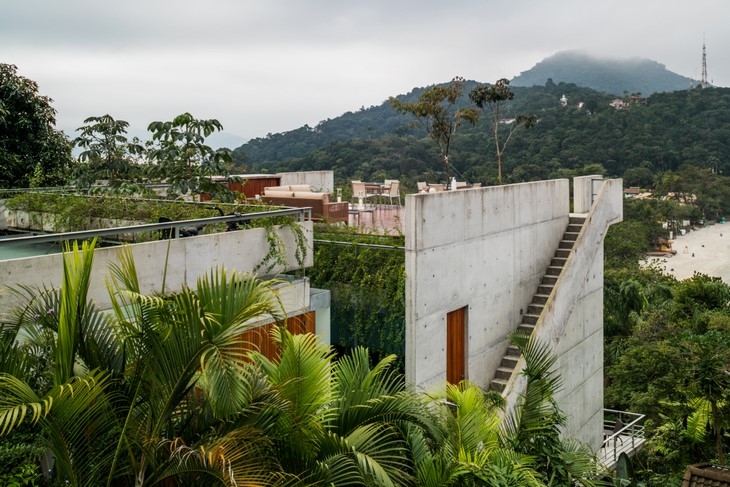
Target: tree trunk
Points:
(718, 434)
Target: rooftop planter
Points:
(55, 212)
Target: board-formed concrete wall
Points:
(572, 322)
(483, 248)
(187, 259)
(487, 249)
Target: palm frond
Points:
(302, 373)
(581, 464)
(17, 401)
(697, 421)
(14, 360)
(241, 458)
(371, 455)
(76, 418)
(77, 266)
(474, 422)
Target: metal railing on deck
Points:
(174, 227)
(620, 427)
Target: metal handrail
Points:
(302, 214)
(634, 429)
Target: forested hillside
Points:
(647, 137)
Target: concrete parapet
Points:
(182, 261)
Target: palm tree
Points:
(162, 390)
(533, 427)
(343, 422)
(471, 451)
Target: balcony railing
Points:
(174, 227)
(623, 432)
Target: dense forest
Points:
(646, 138)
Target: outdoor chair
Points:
(359, 194)
(393, 192)
(617, 426)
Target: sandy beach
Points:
(705, 250)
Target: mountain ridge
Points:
(615, 76)
(376, 122)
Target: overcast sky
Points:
(267, 66)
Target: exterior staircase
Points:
(535, 308)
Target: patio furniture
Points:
(300, 196)
(360, 194)
(393, 192)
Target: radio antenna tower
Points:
(703, 83)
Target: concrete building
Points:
(475, 259)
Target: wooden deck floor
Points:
(608, 454)
(382, 219)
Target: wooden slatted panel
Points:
(303, 323)
(456, 346)
(259, 338)
(252, 187)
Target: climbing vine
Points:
(276, 254)
(366, 276)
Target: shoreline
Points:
(705, 250)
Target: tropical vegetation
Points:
(32, 151)
(164, 391)
(666, 353)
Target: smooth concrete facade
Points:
(486, 249)
(181, 264)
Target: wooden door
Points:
(456, 346)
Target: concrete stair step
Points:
(562, 253)
(566, 244)
(504, 373)
(498, 385)
(513, 351)
(525, 328)
(549, 280)
(530, 319)
(557, 262)
(571, 236)
(554, 270)
(535, 309)
(509, 362)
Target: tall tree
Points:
(30, 145)
(706, 359)
(437, 111)
(180, 157)
(493, 97)
(108, 154)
